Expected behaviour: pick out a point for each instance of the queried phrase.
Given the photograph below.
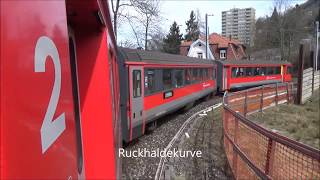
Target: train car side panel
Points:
(254, 81)
(96, 62)
(287, 73)
(96, 104)
(158, 99)
(37, 111)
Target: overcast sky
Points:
(179, 11)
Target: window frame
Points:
(134, 93)
(171, 78)
(261, 69)
(221, 52)
(147, 90)
(188, 72)
(181, 71)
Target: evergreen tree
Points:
(173, 40)
(193, 30)
(275, 29)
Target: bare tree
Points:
(127, 44)
(156, 41)
(115, 6)
(201, 22)
(149, 12)
(136, 31)
(281, 7)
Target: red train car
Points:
(154, 84)
(244, 73)
(59, 95)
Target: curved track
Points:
(168, 126)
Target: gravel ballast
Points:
(168, 126)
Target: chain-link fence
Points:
(254, 152)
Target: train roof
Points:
(249, 62)
(154, 57)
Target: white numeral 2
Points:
(50, 129)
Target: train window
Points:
(201, 75)
(277, 70)
(205, 74)
(290, 69)
(270, 70)
(234, 72)
(249, 71)
(149, 81)
(178, 75)
(210, 73)
(263, 71)
(194, 75)
(187, 76)
(256, 71)
(167, 78)
(136, 83)
(237, 72)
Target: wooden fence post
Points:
(261, 100)
(270, 156)
(292, 94)
(300, 73)
(313, 69)
(287, 86)
(235, 140)
(276, 94)
(245, 104)
(226, 98)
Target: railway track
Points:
(200, 131)
(160, 138)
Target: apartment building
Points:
(239, 24)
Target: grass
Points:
(298, 122)
(206, 135)
(216, 116)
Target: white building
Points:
(198, 50)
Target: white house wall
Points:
(195, 49)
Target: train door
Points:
(225, 78)
(136, 95)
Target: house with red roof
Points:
(219, 48)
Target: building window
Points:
(200, 55)
(223, 54)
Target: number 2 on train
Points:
(50, 129)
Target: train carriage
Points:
(154, 84)
(59, 92)
(61, 78)
(233, 75)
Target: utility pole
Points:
(316, 46)
(207, 34)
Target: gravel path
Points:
(205, 135)
(145, 168)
